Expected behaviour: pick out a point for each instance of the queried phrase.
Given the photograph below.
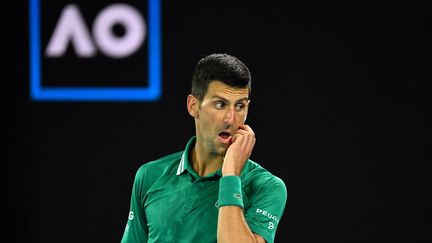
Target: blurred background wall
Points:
(340, 107)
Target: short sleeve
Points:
(136, 228)
(266, 209)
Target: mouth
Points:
(224, 137)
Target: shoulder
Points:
(161, 163)
(258, 178)
(150, 171)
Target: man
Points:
(211, 191)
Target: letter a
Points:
(70, 27)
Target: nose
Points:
(229, 116)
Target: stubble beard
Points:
(217, 150)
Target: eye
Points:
(239, 106)
(219, 104)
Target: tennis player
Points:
(212, 191)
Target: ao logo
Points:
(86, 41)
(71, 28)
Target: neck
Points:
(203, 162)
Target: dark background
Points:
(340, 106)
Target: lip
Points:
(226, 140)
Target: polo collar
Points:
(184, 161)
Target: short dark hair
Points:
(219, 67)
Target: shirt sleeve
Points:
(136, 227)
(266, 209)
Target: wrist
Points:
(230, 174)
(228, 170)
(230, 193)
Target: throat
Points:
(204, 165)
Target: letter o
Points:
(135, 30)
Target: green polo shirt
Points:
(170, 202)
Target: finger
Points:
(247, 142)
(247, 137)
(251, 145)
(247, 133)
(242, 132)
(237, 137)
(247, 128)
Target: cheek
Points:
(243, 115)
(208, 121)
(212, 116)
(241, 118)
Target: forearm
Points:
(232, 226)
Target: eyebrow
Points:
(222, 98)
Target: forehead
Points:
(217, 88)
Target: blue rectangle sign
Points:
(149, 92)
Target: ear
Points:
(192, 106)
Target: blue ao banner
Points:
(95, 50)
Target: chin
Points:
(222, 151)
